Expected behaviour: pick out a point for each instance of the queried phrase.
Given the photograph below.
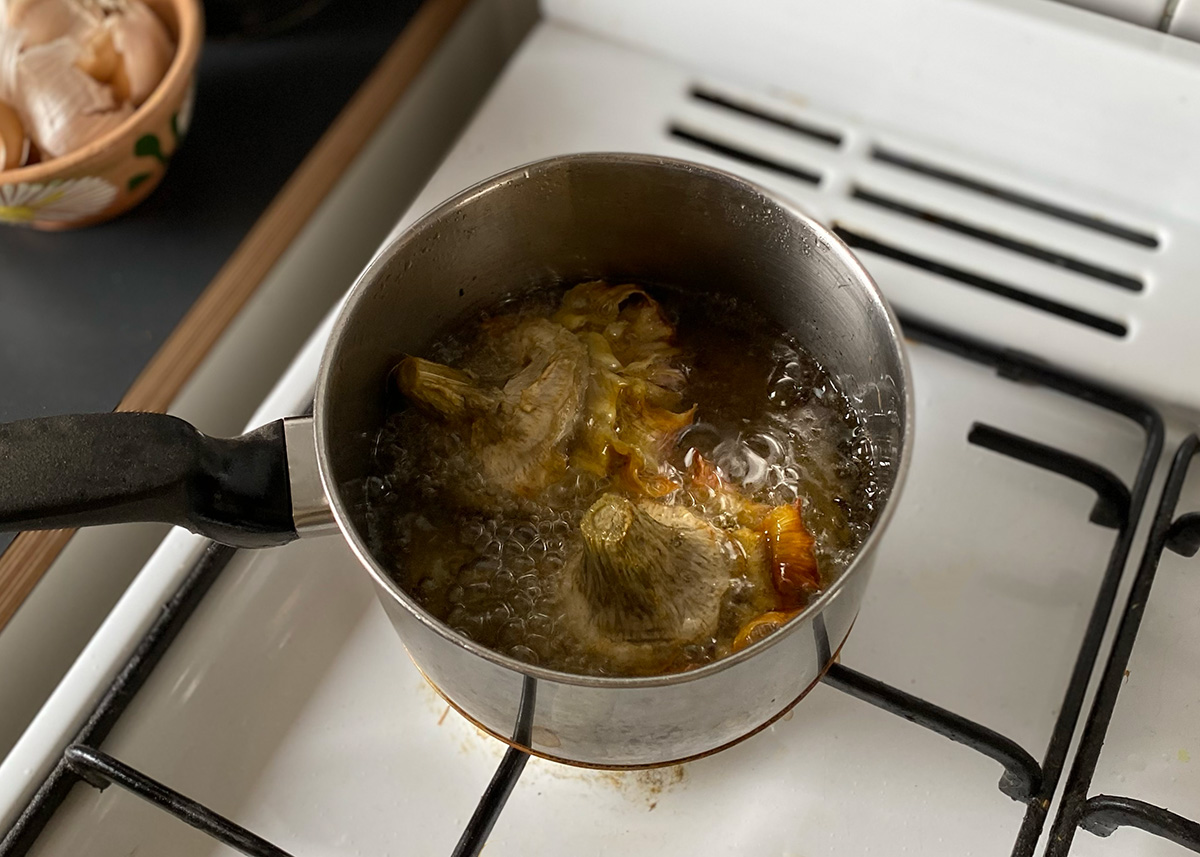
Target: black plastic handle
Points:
(88, 469)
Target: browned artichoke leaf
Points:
(594, 305)
(664, 381)
(597, 428)
(642, 333)
(645, 435)
(629, 425)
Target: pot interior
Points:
(612, 217)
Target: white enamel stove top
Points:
(288, 704)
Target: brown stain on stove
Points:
(646, 783)
(794, 98)
(651, 782)
(471, 739)
(643, 785)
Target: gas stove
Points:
(1015, 176)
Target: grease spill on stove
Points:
(644, 786)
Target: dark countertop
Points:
(81, 313)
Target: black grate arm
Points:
(503, 781)
(1112, 497)
(102, 770)
(1103, 814)
(1022, 776)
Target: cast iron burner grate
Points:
(1024, 779)
(1102, 814)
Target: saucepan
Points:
(567, 219)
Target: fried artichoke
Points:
(595, 386)
(516, 426)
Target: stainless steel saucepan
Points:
(566, 219)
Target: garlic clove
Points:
(98, 57)
(145, 46)
(120, 82)
(14, 145)
(43, 21)
(10, 61)
(62, 107)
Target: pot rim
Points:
(528, 172)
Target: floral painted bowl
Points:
(115, 172)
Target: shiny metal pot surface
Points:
(562, 220)
(619, 218)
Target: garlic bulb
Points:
(14, 145)
(62, 107)
(44, 21)
(144, 45)
(72, 70)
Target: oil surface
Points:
(766, 414)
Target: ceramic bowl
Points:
(115, 172)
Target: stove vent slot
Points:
(858, 241)
(743, 155)
(1070, 263)
(1125, 233)
(741, 106)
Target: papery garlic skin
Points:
(44, 21)
(13, 142)
(145, 47)
(14, 145)
(61, 107)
